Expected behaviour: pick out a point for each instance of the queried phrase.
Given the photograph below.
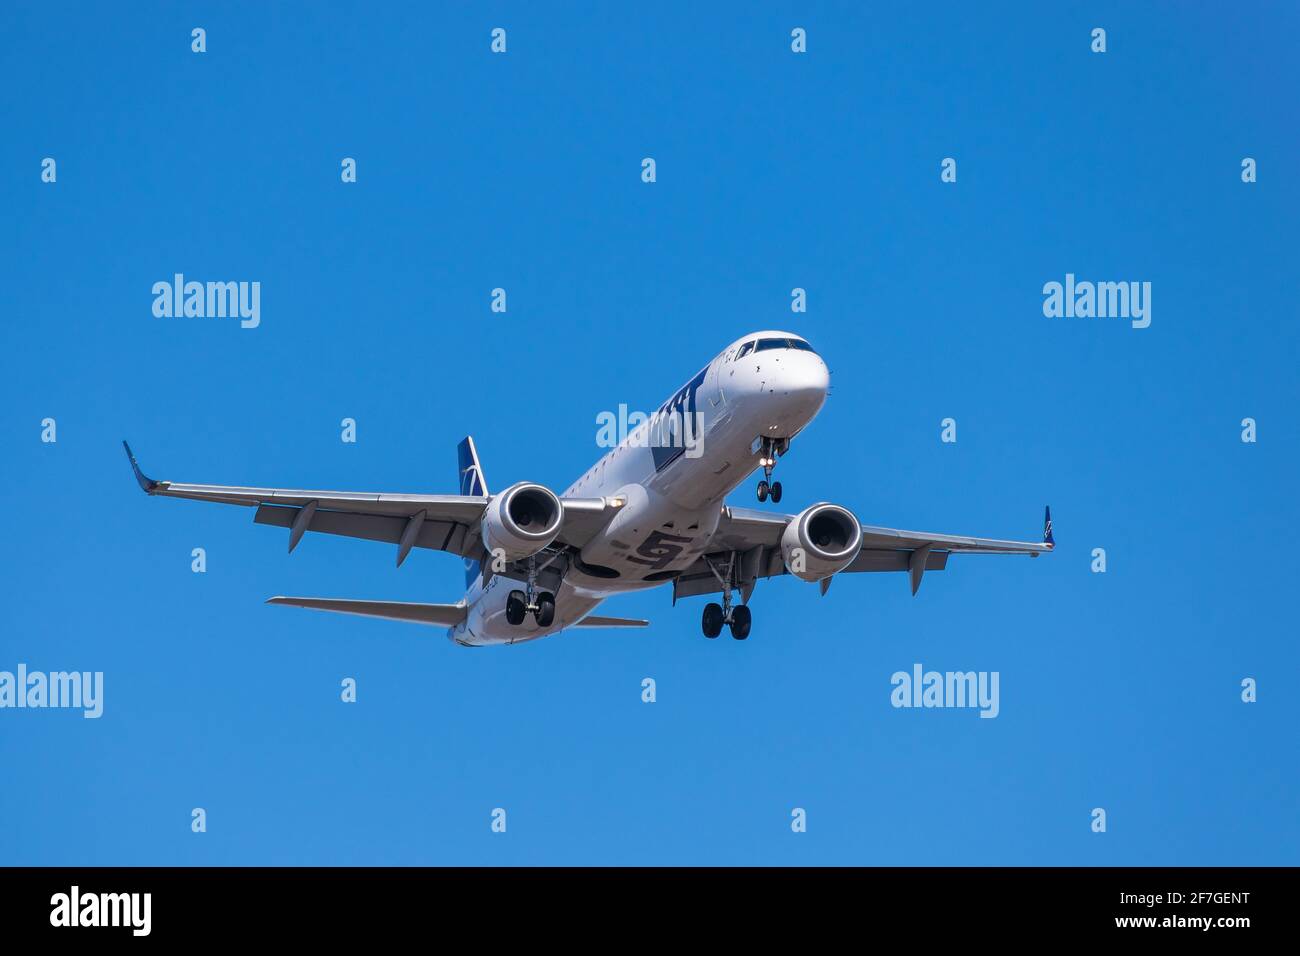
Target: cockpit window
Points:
(800, 344)
(745, 350)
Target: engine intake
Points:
(820, 541)
(521, 521)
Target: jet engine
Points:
(521, 521)
(819, 541)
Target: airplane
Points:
(650, 512)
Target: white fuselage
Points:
(673, 484)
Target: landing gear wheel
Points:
(712, 622)
(516, 610)
(545, 612)
(740, 620)
(768, 451)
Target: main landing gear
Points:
(716, 615)
(519, 604)
(767, 458)
(518, 607)
(738, 617)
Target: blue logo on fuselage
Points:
(667, 426)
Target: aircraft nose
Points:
(805, 378)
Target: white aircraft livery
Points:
(651, 512)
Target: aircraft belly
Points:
(487, 622)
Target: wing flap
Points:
(894, 561)
(435, 535)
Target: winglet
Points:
(147, 485)
(1047, 528)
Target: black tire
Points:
(545, 610)
(740, 620)
(762, 491)
(712, 621)
(515, 609)
(776, 492)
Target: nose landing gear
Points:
(770, 448)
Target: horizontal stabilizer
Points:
(595, 620)
(446, 615)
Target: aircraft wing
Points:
(754, 536)
(438, 522)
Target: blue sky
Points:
(1118, 690)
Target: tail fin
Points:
(470, 480)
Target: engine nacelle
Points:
(521, 521)
(819, 541)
